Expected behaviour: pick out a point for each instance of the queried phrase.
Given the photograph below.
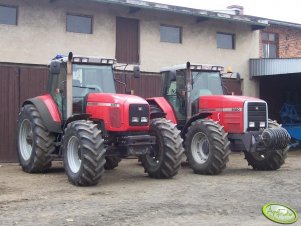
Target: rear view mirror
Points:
(136, 71)
(55, 67)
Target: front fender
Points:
(163, 104)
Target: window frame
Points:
(233, 37)
(268, 42)
(80, 15)
(17, 13)
(173, 26)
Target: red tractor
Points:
(83, 120)
(212, 124)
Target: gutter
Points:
(202, 15)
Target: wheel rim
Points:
(154, 157)
(73, 154)
(259, 156)
(200, 148)
(25, 139)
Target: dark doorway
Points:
(279, 89)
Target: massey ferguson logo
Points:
(140, 108)
(256, 108)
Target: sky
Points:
(287, 10)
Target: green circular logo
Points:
(280, 213)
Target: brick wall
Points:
(289, 40)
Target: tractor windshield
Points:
(205, 83)
(92, 79)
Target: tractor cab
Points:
(185, 83)
(89, 75)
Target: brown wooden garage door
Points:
(17, 83)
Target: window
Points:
(269, 45)
(79, 24)
(8, 15)
(127, 40)
(225, 41)
(170, 34)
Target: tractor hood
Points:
(118, 110)
(221, 102)
(235, 112)
(113, 98)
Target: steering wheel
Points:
(95, 88)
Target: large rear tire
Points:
(267, 159)
(84, 153)
(164, 160)
(207, 147)
(34, 142)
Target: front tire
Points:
(112, 162)
(164, 160)
(268, 159)
(207, 147)
(84, 153)
(34, 142)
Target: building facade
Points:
(135, 32)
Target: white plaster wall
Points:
(41, 34)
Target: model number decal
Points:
(232, 109)
(221, 110)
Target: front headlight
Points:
(252, 124)
(135, 119)
(144, 119)
(262, 124)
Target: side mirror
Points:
(136, 71)
(55, 67)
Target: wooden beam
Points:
(257, 27)
(133, 10)
(200, 19)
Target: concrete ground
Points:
(126, 196)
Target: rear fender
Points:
(163, 104)
(49, 112)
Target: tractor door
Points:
(174, 92)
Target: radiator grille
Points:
(257, 112)
(139, 111)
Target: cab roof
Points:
(193, 66)
(85, 59)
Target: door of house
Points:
(127, 40)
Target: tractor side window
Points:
(57, 87)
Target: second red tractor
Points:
(212, 124)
